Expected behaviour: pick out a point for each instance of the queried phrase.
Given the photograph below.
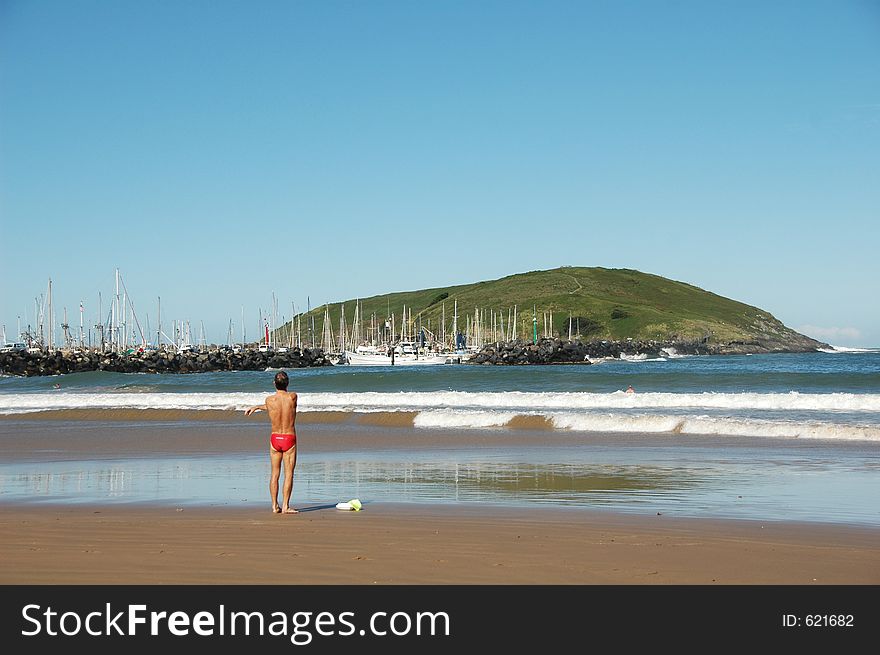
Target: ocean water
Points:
(807, 396)
(763, 437)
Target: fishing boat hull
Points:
(358, 359)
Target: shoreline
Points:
(390, 543)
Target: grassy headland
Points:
(603, 303)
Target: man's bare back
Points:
(281, 408)
(282, 412)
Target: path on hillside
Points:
(580, 286)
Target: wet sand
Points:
(107, 434)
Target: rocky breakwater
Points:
(562, 351)
(519, 352)
(157, 361)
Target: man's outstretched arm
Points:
(256, 408)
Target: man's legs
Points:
(275, 458)
(289, 465)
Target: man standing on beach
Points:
(282, 444)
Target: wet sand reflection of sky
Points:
(716, 487)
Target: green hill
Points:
(599, 303)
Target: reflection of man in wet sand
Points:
(282, 444)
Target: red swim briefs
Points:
(282, 442)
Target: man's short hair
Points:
(281, 381)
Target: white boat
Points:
(354, 359)
(405, 354)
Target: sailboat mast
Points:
(51, 319)
(341, 328)
(310, 324)
(273, 317)
(66, 327)
(124, 340)
(100, 324)
(114, 327)
(455, 325)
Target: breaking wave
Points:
(511, 401)
(844, 416)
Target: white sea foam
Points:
(618, 412)
(525, 402)
(672, 353)
(510, 401)
(616, 423)
(657, 424)
(834, 350)
(23, 403)
(648, 424)
(747, 410)
(640, 357)
(784, 429)
(456, 419)
(530, 402)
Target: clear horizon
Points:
(218, 153)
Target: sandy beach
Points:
(69, 539)
(398, 544)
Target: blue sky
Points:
(219, 152)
